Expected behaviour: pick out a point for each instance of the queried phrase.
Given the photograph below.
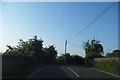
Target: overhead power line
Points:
(95, 19)
(75, 45)
(89, 24)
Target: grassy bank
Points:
(112, 66)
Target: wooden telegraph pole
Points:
(65, 46)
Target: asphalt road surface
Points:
(70, 72)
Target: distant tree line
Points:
(33, 47)
(114, 54)
(71, 59)
(48, 55)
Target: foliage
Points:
(112, 66)
(32, 47)
(115, 53)
(93, 48)
(71, 59)
(63, 59)
(75, 59)
(49, 54)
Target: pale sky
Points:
(56, 22)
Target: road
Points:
(70, 72)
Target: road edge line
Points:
(34, 73)
(73, 71)
(106, 72)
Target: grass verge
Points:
(111, 66)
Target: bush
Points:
(112, 66)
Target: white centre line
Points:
(73, 72)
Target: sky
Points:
(56, 22)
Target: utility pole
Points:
(65, 46)
(118, 27)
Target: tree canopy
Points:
(93, 48)
(31, 47)
(49, 54)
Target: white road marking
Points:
(73, 72)
(34, 73)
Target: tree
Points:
(76, 59)
(10, 51)
(49, 54)
(36, 45)
(93, 48)
(115, 53)
(71, 59)
(62, 59)
(32, 47)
